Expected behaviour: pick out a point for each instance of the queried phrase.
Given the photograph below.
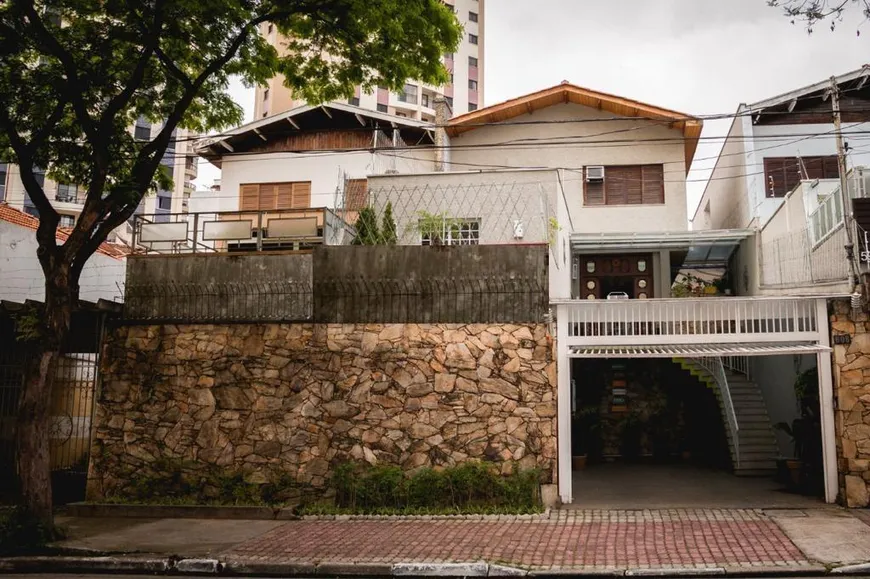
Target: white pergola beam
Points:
(292, 122)
(325, 110)
(259, 134)
(227, 146)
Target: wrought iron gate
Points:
(71, 407)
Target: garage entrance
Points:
(656, 433)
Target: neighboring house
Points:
(464, 91)
(776, 143)
(68, 199)
(102, 277)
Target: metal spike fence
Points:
(450, 214)
(243, 301)
(434, 300)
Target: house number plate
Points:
(842, 339)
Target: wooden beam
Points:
(259, 134)
(360, 119)
(325, 110)
(227, 147)
(292, 122)
(529, 108)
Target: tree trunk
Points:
(33, 436)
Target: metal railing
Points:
(737, 364)
(717, 370)
(237, 231)
(688, 321)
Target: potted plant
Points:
(804, 470)
(793, 466)
(723, 285)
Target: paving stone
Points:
(582, 541)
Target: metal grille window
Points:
(142, 130)
(67, 221)
(472, 61)
(472, 38)
(383, 108)
(408, 94)
(450, 232)
(472, 84)
(472, 16)
(472, 107)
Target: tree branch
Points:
(73, 82)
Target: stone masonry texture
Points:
(851, 370)
(297, 399)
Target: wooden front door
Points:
(631, 274)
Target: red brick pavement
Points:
(582, 539)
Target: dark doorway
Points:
(645, 410)
(617, 284)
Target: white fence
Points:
(792, 259)
(687, 321)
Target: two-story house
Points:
(645, 372)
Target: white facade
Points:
(274, 97)
(102, 276)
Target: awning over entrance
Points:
(707, 248)
(695, 350)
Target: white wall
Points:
(780, 141)
(775, 376)
(725, 194)
(22, 275)
(670, 216)
(324, 171)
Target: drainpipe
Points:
(443, 113)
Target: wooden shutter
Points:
(653, 177)
(616, 180)
(355, 194)
(301, 195)
(249, 197)
(774, 176)
(285, 195)
(593, 193)
(268, 197)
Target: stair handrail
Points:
(717, 370)
(737, 364)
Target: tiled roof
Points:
(16, 217)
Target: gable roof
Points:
(22, 219)
(569, 93)
(861, 75)
(309, 118)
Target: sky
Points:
(693, 56)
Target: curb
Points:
(139, 565)
(178, 511)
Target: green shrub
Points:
(471, 487)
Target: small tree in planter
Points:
(367, 228)
(388, 226)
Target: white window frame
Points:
(459, 231)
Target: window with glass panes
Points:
(451, 232)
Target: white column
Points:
(826, 403)
(563, 406)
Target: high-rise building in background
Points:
(464, 92)
(68, 199)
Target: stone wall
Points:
(851, 371)
(264, 399)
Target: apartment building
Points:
(68, 198)
(464, 92)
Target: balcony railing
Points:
(687, 321)
(239, 231)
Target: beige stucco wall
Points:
(591, 142)
(496, 198)
(726, 192)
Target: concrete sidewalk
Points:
(603, 542)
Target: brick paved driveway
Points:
(567, 539)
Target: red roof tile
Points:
(16, 217)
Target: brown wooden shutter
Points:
(616, 180)
(633, 177)
(774, 176)
(355, 194)
(249, 197)
(593, 193)
(653, 184)
(284, 195)
(302, 195)
(268, 196)
(830, 167)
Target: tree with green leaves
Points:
(812, 12)
(388, 226)
(75, 75)
(367, 227)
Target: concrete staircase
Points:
(756, 442)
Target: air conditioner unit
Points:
(594, 174)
